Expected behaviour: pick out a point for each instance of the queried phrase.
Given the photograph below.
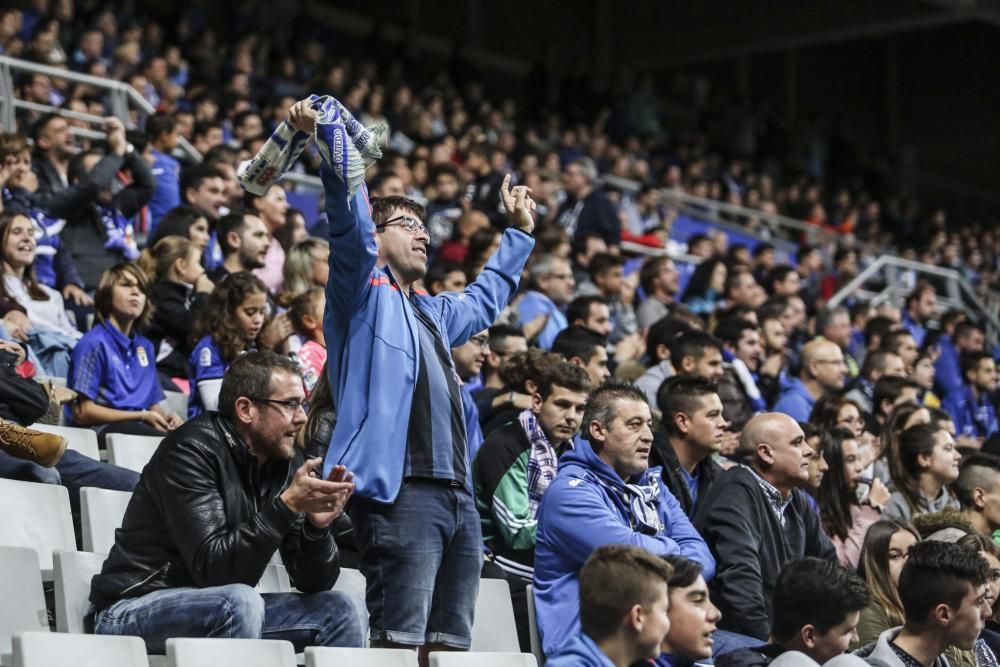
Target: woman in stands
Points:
(845, 518)
(704, 289)
(886, 546)
(272, 208)
(925, 464)
(45, 326)
(229, 326)
(113, 368)
(179, 289)
(306, 266)
(186, 221)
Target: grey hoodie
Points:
(880, 653)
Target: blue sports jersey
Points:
(205, 363)
(167, 172)
(115, 370)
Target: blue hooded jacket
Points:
(579, 513)
(581, 652)
(371, 337)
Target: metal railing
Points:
(121, 98)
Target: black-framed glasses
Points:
(409, 223)
(292, 403)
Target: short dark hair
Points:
(893, 340)
(825, 316)
(383, 206)
(579, 308)
(501, 332)
(777, 275)
(39, 126)
(439, 270)
(601, 402)
(249, 375)
(681, 393)
(649, 270)
(816, 592)
(233, 222)
(196, 174)
(880, 326)
(978, 470)
(686, 571)
(602, 262)
(578, 341)
(565, 375)
(772, 309)
(890, 388)
(875, 361)
(76, 169)
(615, 578)
(731, 329)
(202, 127)
(938, 572)
(663, 332)
(692, 344)
(159, 123)
(969, 361)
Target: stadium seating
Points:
(360, 657)
(36, 516)
(73, 572)
(82, 440)
(229, 653)
(22, 600)
(536, 640)
(101, 513)
(131, 451)
(472, 659)
(494, 629)
(42, 649)
(351, 582)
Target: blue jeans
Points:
(421, 556)
(329, 618)
(74, 471)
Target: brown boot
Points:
(45, 449)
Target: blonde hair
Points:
(298, 269)
(155, 262)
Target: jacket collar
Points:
(584, 456)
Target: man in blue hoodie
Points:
(604, 493)
(623, 609)
(400, 421)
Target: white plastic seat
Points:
(323, 656)
(74, 571)
(229, 653)
(101, 514)
(352, 582)
(131, 451)
(494, 629)
(470, 659)
(274, 580)
(536, 640)
(81, 440)
(44, 649)
(175, 402)
(38, 516)
(22, 599)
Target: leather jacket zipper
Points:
(145, 580)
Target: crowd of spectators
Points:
(728, 419)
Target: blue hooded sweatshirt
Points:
(584, 508)
(371, 337)
(581, 652)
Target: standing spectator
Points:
(162, 132)
(623, 609)
(483, 193)
(886, 548)
(587, 209)
(756, 517)
(212, 507)
(271, 208)
(551, 289)
(928, 463)
(692, 615)
(694, 428)
(658, 278)
(604, 494)
(413, 469)
(823, 372)
(972, 406)
(921, 307)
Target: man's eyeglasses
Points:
(292, 404)
(407, 222)
(481, 341)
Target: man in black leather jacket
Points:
(219, 496)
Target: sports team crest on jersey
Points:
(206, 357)
(140, 354)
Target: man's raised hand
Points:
(519, 205)
(302, 116)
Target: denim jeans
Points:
(329, 618)
(421, 556)
(74, 471)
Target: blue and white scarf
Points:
(642, 499)
(542, 460)
(119, 232)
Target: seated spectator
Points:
(293, 232)
(213, 515)
(692, 430)
(583, 248)
(783, 280)
(928, 464)
(658, 278)
(271, 208)
(623, 609)
(755, 518)
(505, 341)
(161, 129)
(306, 314)
(891, 391)
(697, 353)
(607, 280)
(921, 307)
(551, 281)
(584, 348)
(704, 288)
(515, 466)
(113, 368)
(817, 464)
(885, 550)
(604, 494)
(901, 417)
(456, 248)
(845, 516)
(971, 406)
(923, 375)
(820, 631)
(658, 341)
(978, 489)
(47, 329)
(230, 325)
(587, 209)
(692, 616)
(942, 588)
(990, 552)
(519, 377)
(823, 372)
(834, 324)
(738, 388)
(244, 241)
(948, 377)
(590, 311)
(445, 277)
(467, 360)
(445, 207)
(185, 221)
(742, 290)
(901, 342)
(306, 266)
(878, 364)
(179, 290)
(833, 411)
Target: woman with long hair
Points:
(186, 221)
(926, 463)
(886, 547)
(229, 325)
(900, 418)
(705, 288)
(845, 518)
(306, 265)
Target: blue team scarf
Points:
(120, 234)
